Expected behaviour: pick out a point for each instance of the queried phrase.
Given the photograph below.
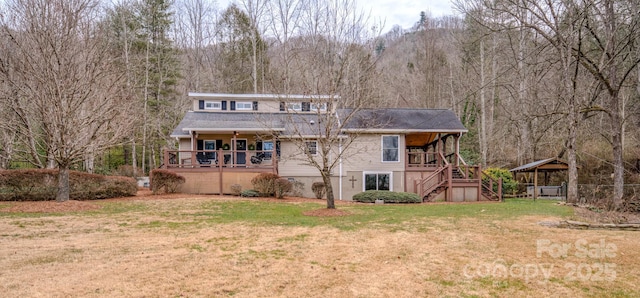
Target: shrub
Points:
(508, 184)
(297, 189)
(42, 185)
(283, 186)
(250, 193)
(236, 189)
(164, 179)
(265, 183)
(318, 189)
(371, 196)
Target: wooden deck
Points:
(230, 161)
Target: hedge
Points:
(42, 185)
(370, 196)
(161, 179)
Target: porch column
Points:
(194, 147)
(457, 153)
(220, 164)
(535, 184)
(438, 150)
(234, 148)
(444, 147)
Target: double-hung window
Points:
(312, 147)
(390, 148)
(267, 146)
(377, 181)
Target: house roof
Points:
(402, 120)
(549, 164)
(218, 122)
(367, 120)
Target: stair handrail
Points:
(444, 159)
(438, 183)
(462, 160)
(488, 185)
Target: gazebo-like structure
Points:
(545, 166)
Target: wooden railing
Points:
(464, 173)
(436, 179)
(440, 177)
(219, 159)
(422, 160)
(491, 188)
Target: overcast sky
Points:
(405, 12)
(396, 12)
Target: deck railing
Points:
(221, 159)
(423, 160)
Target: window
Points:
(212, 105)
(267, 147)
(377, 181)
(245, 106)
(210, 145)
(294, 106)
(312, 147)
(319, 106)
(390, 148)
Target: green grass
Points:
(387, 216)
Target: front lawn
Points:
(210, 246)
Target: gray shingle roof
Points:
(435, 120)
(205, 121)
(409, 120)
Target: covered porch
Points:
(213, 160)
(435, 170)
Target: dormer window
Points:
(212, 105)
(294, 106)
(244, 105)
(319, 106)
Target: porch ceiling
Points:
(420, 139)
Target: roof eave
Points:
(382, 130)
(189, 129)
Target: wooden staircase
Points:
(464, 176)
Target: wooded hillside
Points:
(98, 85)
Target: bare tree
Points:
(332, 58)
(255, 10)
(194, 30)
(63, 67)
(285, 16)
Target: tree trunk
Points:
(326, 178)
(63, 183)
(572, 184)
(618, 163)
(483, 109)
(614, 105)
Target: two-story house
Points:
(228, 139)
